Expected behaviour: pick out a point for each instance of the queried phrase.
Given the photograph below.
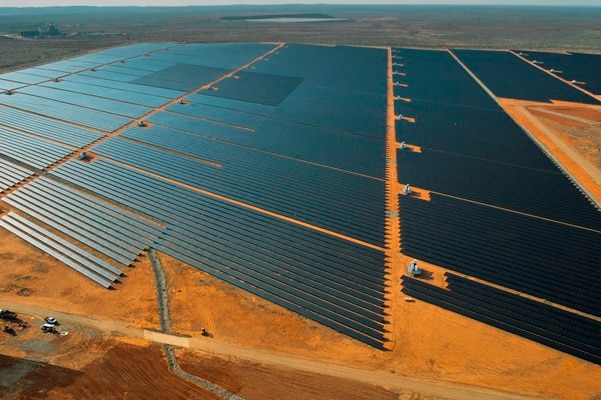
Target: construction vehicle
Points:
(49, 328)
(9, 329)
(5, 314)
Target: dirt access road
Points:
(213, 346)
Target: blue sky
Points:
(41, 3)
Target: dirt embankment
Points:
(124, 372)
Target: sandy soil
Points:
(241, 377)
(584, 137)
(33, 277)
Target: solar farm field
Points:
(257, 191)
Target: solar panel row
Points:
(354, 153)
(60, 68)
(542, 258)
(95, 103)
(129, 87)
(20, 77)
(108, 93)
(524, 317)
(47, 127)
(11, 174)
(65, 112)
(541, 193)
(113, 231)
(78, 259)
(39, 73)
(330, 280)
(30, 150)
(298, 190)
(551, 318)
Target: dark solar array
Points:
(330, 280)
(580, 67)
(330, 95)
(104, 227)
(255, 87)
(184, 77)
(532, 191)
(302, 191)
(506, 75)
(455, 115)
(327, 147)
(339, 102)
(539, 257)
(11, 174)
(472, 150)
(433, 76)
(542, 323)
(301, 112)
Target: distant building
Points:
(30, 34)
(53, 31)
(49, 30)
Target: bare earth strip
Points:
(380, 378)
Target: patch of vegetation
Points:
(273, 16)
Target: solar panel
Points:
(37, 241)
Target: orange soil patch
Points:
(413, 148)
(587, 112)
(557, 118)
(419, 193)
(229, 314)
(32, 277)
